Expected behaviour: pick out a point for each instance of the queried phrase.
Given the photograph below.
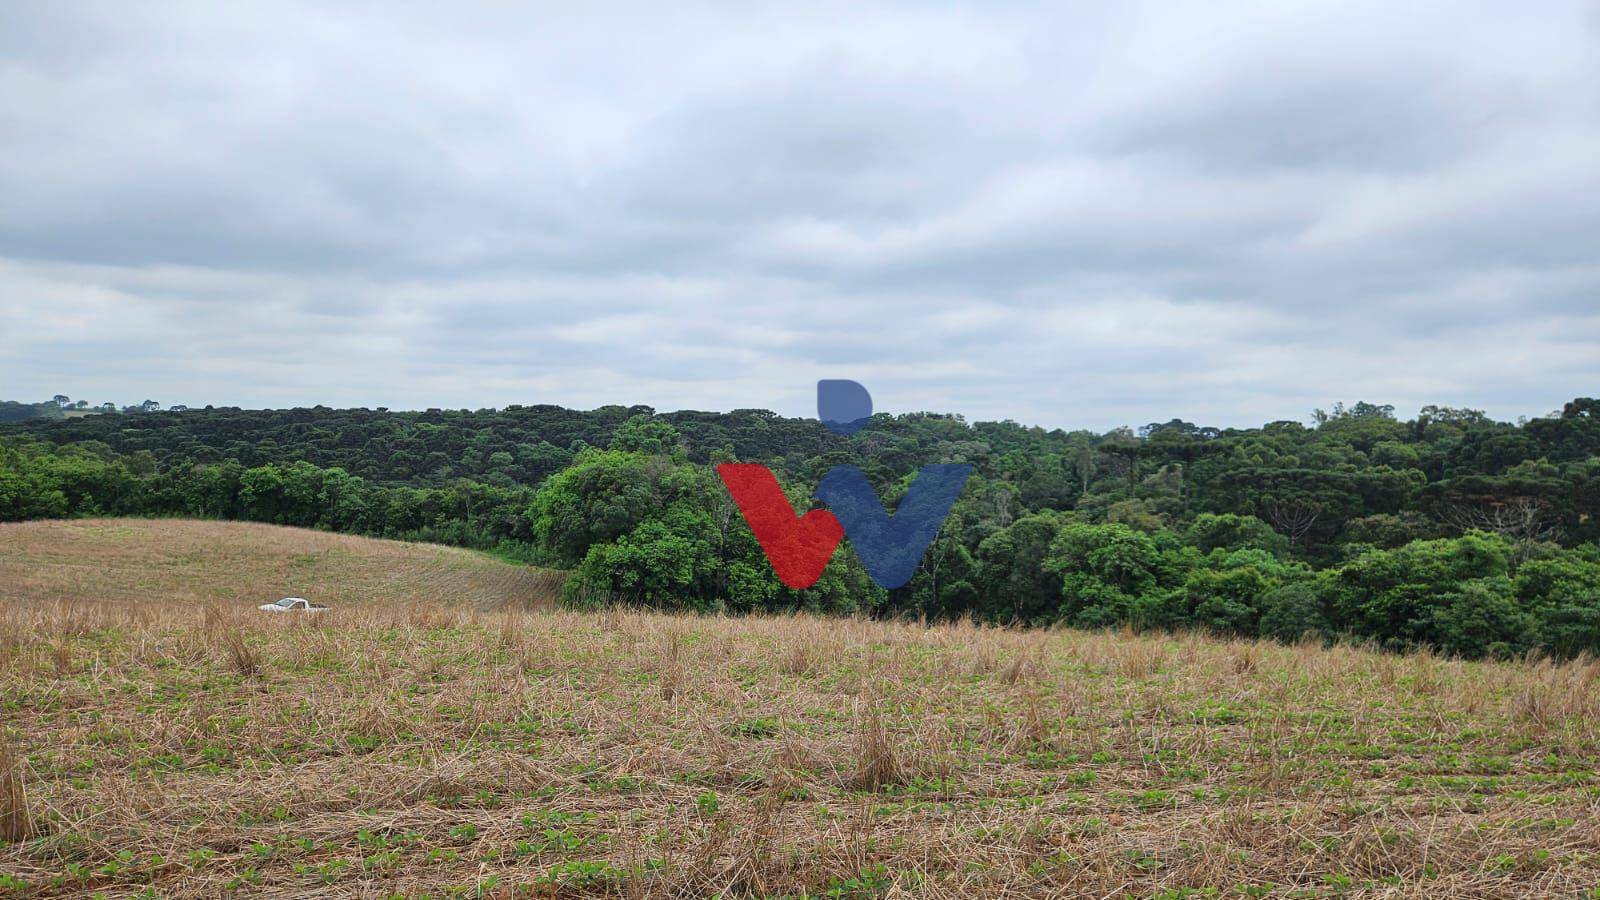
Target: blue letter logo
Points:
(891, 547)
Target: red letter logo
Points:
(798, 547)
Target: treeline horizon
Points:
(61, 406)
(1448, 530)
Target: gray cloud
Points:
(1068, 216)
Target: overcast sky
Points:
(1077, 216)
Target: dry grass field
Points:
(191, 747)
(189, 562)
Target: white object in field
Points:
(291, 604)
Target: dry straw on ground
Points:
(403, 748)
(16, 819)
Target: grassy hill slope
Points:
(128, 560)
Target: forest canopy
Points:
(1448, 530)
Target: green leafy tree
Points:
(1110, 574)
(1394, 595)
(1014, 583)
(1228, 531)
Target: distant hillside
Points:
(131, 560)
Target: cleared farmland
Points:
(240, 563)
(182, 745)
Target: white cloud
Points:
(1078, 216)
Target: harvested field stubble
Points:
(394, 749)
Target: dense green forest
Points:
(1448, 530)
